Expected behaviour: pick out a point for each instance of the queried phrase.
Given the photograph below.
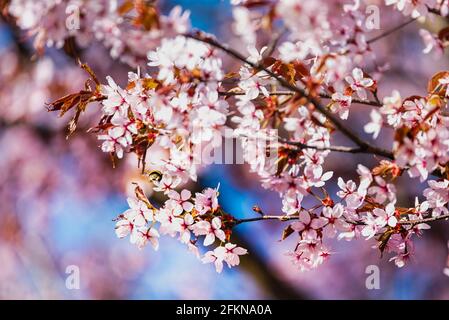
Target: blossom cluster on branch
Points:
(302, 85)
(127, 28)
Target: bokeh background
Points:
(58, 198)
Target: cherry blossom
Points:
(123, 227)
(292, 202)
(387, 216)
(49, 23)
(307, 225)
(403, 247)
(210, 230)
(206, 201)
(244, 26)
(181, 200)
(359, 83)
(141, 236)
(371, 226)
(375, 125)
(382, 191)
(115, 141)
(185, 228)
(139, 213)
(314, 176)
(333, 220)
(341, 105)
(309, 254)
(353, 195)
(252, 85)
(437, 196)
(167, 183)
(432, 43)
(217, 256)
(232, 254)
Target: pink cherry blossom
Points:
(139, 213)
(359, 83)
(292, 202)
(341, 104)
(181, 201)
(308, 225)
(115, 141)
(206, 201)
(210, 230)
(141, 236)
(232, 254)
(383, 191)
(123, 227)
(217, 256)
(334, 220)
(437, 196)
(371, 226)
(387, 216)
(375, 125)
(185, 228)
(167, 183)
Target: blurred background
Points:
(58, 198)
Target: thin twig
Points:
(291, 93)
(390, 31)
(425, 220)
(273, 93)
(330, 148)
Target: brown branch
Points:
(425, 220)
(358, 101)
(291, 93)
(344, 149)
(437, 13)
(296, 216)
(273, 93)
(330, 116)
(370, 103)
(268, 217)
(390, 31)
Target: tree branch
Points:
(273, 93)
(296, 217)
(331, 117)
(291, 93)
(344, 149)
(358, 101)
(425, 220)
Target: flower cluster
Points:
(367, 210)
(178, 110)
(182, 216)
(422, 139)
(53, 22)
